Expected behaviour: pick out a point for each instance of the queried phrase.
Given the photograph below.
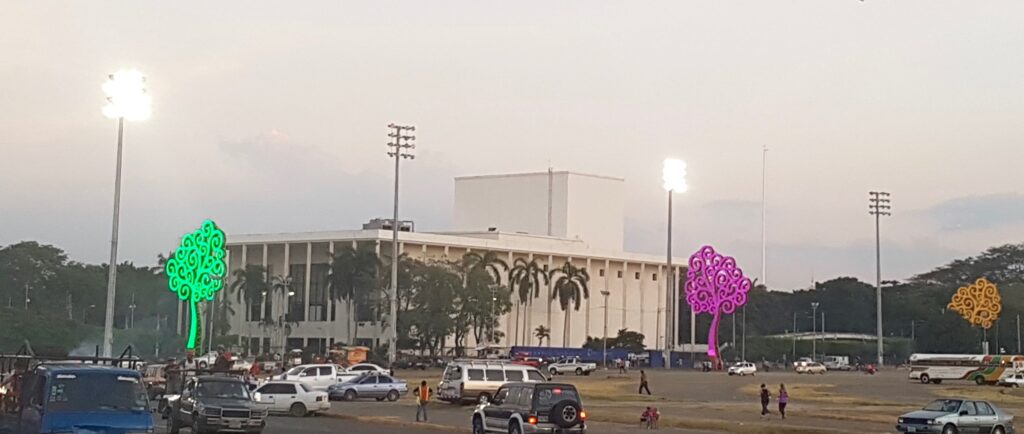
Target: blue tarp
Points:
(679, 360)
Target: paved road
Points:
(325, 425)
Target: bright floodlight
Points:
(126, 96)
(674, 175)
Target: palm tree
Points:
(489, 261)
(542, 333)
(570, 289)
(352, 277)
(525, 280)
(250, 285)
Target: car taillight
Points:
(583, 415)
(532, 420)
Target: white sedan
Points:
(362, 368)
(811, 368)
(743, 369)
(291, 397)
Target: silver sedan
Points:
(954, 416)
(379, 387)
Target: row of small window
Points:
(500, 375)
(636, 275)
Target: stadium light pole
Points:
(814, 329)
(127, 99)
(878, 206)
(604, 348)
(401, 147)
(673, 175)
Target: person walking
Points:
(783, 400)
(423, 395)
(766, 398)
(643, 384)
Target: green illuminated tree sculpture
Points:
(196, 271)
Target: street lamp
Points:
(604, 356)
(400, 148)
(878, 206)
(673, 175)
(814, 329)
(127, 99)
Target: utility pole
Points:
(400, 147)
(814, 329)
(1018, 333)
(794, 336)
(604, 356)
(878, 206)
(132, 307)
(27, 300)
(156, 351)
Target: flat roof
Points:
(544, 173)
(500, 241)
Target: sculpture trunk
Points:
(193, 325)
(713, 339)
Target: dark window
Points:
(78, 392)
(548, 396)
(384, 380)
(514, 375)
(297, 302)
(654, 277)
(637, 276)
(287, 389)
(254, 346)
(318, 300)
(513, 397)
(984, 409)
(495, 375)
(309, 372)
(600, 273)
(526, 397)
(501, 394)
(619, 274)
(325, 371)
(969, 408)
(369, 380)
(476, 374)
(266, 346)
(535, 375)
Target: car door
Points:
(325, 378)
(987, 417)
(266, 396)
(493, 411)
(968, 420)
(308, 376)
(384, 385)
(367, 387)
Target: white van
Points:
(477, 380)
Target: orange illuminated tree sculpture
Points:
(978, 303)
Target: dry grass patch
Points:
(613, 389)
(1003, 396)
(825, 393)
(715, 425)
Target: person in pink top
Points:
(783, 400)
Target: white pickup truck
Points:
(573, 365)
(1013, 380)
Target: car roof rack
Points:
(26, 359)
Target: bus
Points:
(979, 368)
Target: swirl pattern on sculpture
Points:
(196, 270)
(979, 303)
(714, 284)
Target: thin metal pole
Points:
(604, 357)
(392, 336)
(669, 291)
(878, 286)
(108, 322)
(1018, 333)
(814, 330)
(26, 296)
(794, 336)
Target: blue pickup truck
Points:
(80, 398)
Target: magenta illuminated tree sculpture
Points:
(714, 284)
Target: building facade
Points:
(585, 228)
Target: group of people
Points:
(766, 398)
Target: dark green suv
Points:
(520, 408)
(215, 404)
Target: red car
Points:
(529, 361)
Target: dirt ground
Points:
(716, 402)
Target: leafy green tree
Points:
(625, 339)
(542, 333)
(353, 275)
(525, 280)
(433, 318)
(250, 286)
(570, 288)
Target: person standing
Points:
(423, 395)
(643, 384)
(783, 400)
(766, 398)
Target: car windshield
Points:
(548, 396)
(222, 390)
(944, 405)
(306, 388)
(96, 392)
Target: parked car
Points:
(216, 403)
(837, 363)
(535, 362)
(361, 368)
(292, 397)
(379, 387)
(155, 380)
(318, 377)
(952, 416)
(573, 365)
(532, 407)
(811, 368)
(1014, 380)
(478, 380)
(803, 361)
(743, 369)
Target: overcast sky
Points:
(270, 117)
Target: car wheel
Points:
(979, 380)
(393, 396)
(514, 428)
(579, 371)
(297, 409)
(478, 425)
(553, 371)
(349, 395)
(202, 365)
(949, 429)
(999, 430)
(173, 425)
(925, 378)
(195, 425)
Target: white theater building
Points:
(551, 217)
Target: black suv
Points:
(519, 408)
(214, 404)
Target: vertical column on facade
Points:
(622, 285)
(525, 315)
(551, 264)
(309, 277)
(513, 299)
(662, 313)
(263, 299)
(643, 306)
(246, 310)
(378, 326)
(223, 294)
(332, 313)
(586, 323)
(607, 287)
(286, 300)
